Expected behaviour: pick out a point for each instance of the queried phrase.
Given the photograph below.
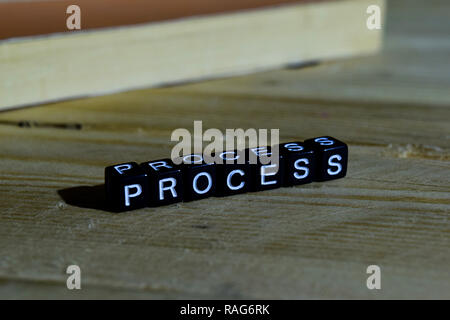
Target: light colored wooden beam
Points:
(44, 69)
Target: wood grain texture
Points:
(312, 241)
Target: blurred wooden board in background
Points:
(312, 241)
(37, 17)
(54, 67)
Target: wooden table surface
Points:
(312, 241)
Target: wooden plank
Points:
(312, 241)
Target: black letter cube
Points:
(264, 175)
(126, 186)
(233, 174)
(164, 181)
(332, 156)
(199, 177)
(299, 163)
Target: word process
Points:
(161, 182)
